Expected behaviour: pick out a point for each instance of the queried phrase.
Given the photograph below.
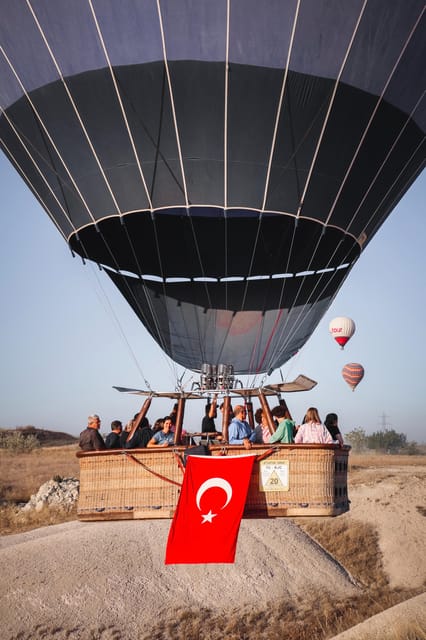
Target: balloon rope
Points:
(280, 103)
(362, 234)
(33, 188)
(120, 102)
(172, 101)
(372, 116)
(182, 168)
(392, 148)
(279, 312)
(271, 154)
(45, 130)
(225, 114)
(75, 109)
(330, 106)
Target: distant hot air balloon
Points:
(353, 373)
(342, 329)
(225, 163)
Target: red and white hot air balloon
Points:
(342, 329)
(353, 373)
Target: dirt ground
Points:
(61, 581)
(393, 500)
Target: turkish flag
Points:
(208, 514)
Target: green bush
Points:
(18, 442)
(412, 449)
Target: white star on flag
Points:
(208, 517)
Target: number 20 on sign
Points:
(274, 475)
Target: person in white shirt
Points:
(313, 430)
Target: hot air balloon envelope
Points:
(353, 373)
(224, 162)
(342, 329)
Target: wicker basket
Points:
(287, 480)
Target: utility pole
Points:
(384, 424)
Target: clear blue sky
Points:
(62, 347)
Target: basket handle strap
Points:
(179, 461)
(154, 473)
(266, 454)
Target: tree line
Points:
(387, 441)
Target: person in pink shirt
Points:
(313, 430)
(262, 432)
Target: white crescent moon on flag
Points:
(214, 482)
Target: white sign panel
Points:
(273, 476)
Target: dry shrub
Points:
(405, 630)
(18, 442)
(354, 544)
(57, 632)
(368, 460)
(14, 520)
(317, 617)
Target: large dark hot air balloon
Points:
(225, 162)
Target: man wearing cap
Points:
(90, 438)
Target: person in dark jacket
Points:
(90, 438)
(141, 437)
(125, 433)
(332, 423)
(112, 441)
(208, 424)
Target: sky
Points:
(67, 337)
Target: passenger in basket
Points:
(208, 424)
(263, 435)
(231, 412)
(284, 432)
(165, 437)
(208, 427)
(90, 438)
(332, 423)
(125, 433)
(158, 425)
(112, 441)
(240, 431)
(313, 431)
(141, 436)
(173, 416)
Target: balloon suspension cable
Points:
(179, 386)
(110, 309)
(262, 381)
(187, 383)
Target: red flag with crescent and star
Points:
(207, 518)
